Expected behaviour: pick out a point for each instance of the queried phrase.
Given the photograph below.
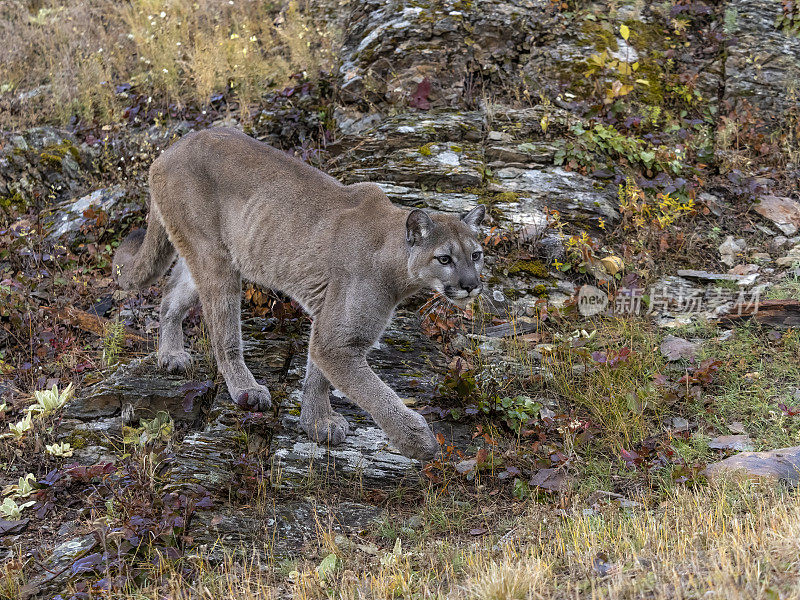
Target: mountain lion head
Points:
(445, 256)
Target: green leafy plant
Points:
(516, 411)
(521, 490)
(19, 428)
(11, 511)
(157, 429)
(328, 567)
(60, 450)
(23, 488)
(49, 401)
(788, 20)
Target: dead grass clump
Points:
(511, 577)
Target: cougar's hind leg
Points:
(317, 418)
(220, 290)
(180, 296)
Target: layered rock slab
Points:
(762, 63)
(225, 445)
(389, 48)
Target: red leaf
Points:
(419, 99)
(789, 411)
(630, 458)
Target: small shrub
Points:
(113, 341)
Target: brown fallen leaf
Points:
(531, 338)
(94, 324)
(459, 365)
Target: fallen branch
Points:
(776, 313)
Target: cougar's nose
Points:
(468, 286)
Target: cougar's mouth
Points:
(461, 302)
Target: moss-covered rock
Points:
(534, 268)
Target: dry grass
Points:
(621, 399)
(72, 54)
(729, 540)
(511, 577)
(237, 579)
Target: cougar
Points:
(230, 208)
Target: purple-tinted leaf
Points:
(192, 390)
(552, 480)
(599, 356)
(102, 584)
(87, 473)
(86, 564)
(204, 502)
(509, 472)
(631, 458)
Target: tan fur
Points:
(236, 208)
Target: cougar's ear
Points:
(418, 226)
(474, 217)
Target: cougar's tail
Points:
(143, 256)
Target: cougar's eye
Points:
(476, 256)
(444, 259)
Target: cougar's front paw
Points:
(414, 437)
(174, 362)
(330, 430)
(256, 398)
